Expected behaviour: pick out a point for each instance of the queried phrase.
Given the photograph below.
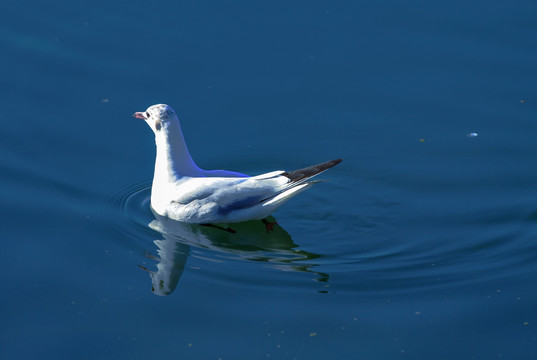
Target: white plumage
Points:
(184, 192)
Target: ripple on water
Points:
(430, 247)
(380, 256)
(245, 250)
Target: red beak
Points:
(140, 115)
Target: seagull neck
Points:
(173, 159)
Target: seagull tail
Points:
(302, 175)
(298, 182)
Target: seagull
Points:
(184, 192)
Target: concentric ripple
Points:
(130, 209)
(372, 249)
(405, 246)
(232, 253)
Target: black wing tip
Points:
(327, 165)
(310, 171)
(335, 162)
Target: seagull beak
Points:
(139, 115)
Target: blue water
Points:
(422, 244)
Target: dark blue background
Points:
(422, 244)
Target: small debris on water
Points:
(472, 134)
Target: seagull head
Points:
(158, 117)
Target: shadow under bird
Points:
(184, 192)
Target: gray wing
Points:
(295, 177)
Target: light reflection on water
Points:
(247, 241)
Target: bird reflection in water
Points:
(251, 240)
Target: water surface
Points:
(421, 244)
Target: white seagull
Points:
(184, 192)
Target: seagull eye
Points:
(146, 114)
